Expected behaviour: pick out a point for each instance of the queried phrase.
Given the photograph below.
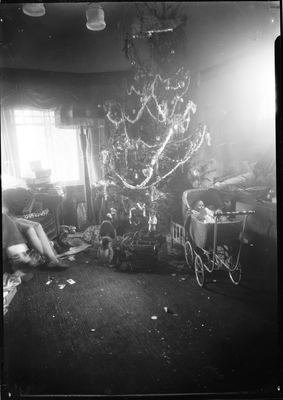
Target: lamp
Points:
(34, 9)
(95, 17)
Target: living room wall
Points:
(239, 108)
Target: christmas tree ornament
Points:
(207, 138)
(152, 221)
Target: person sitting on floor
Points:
(105, 251)
(26, 233)
(13, 244)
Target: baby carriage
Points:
(210, 245)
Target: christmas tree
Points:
(151, 143)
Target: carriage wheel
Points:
(189, 254)
(235, 273)
(208, 262)
(199, 270)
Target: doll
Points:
(152, 221)
(205, 214)
(105, 251)
(201, 212)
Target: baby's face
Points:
(199, 205)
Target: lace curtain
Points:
(9, 150)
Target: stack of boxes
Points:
(40, 178)
(37, 177)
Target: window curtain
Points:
(22, 90)
(39, 90)
(9, 150)
(96, 136)
(88, 194)
(91, 139)
(49, 90)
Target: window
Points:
(39, 139)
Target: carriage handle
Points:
(230, 213)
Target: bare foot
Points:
(57, 264)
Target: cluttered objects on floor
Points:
(10, 284)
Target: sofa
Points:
(38, 207)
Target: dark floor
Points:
(97, 336)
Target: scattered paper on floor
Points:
(74, 250)
(62, 286)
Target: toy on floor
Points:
(105, 251)
(108, 230)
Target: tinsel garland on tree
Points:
(151, 143)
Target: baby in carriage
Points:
(206, 214)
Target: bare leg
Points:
(39, 241)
